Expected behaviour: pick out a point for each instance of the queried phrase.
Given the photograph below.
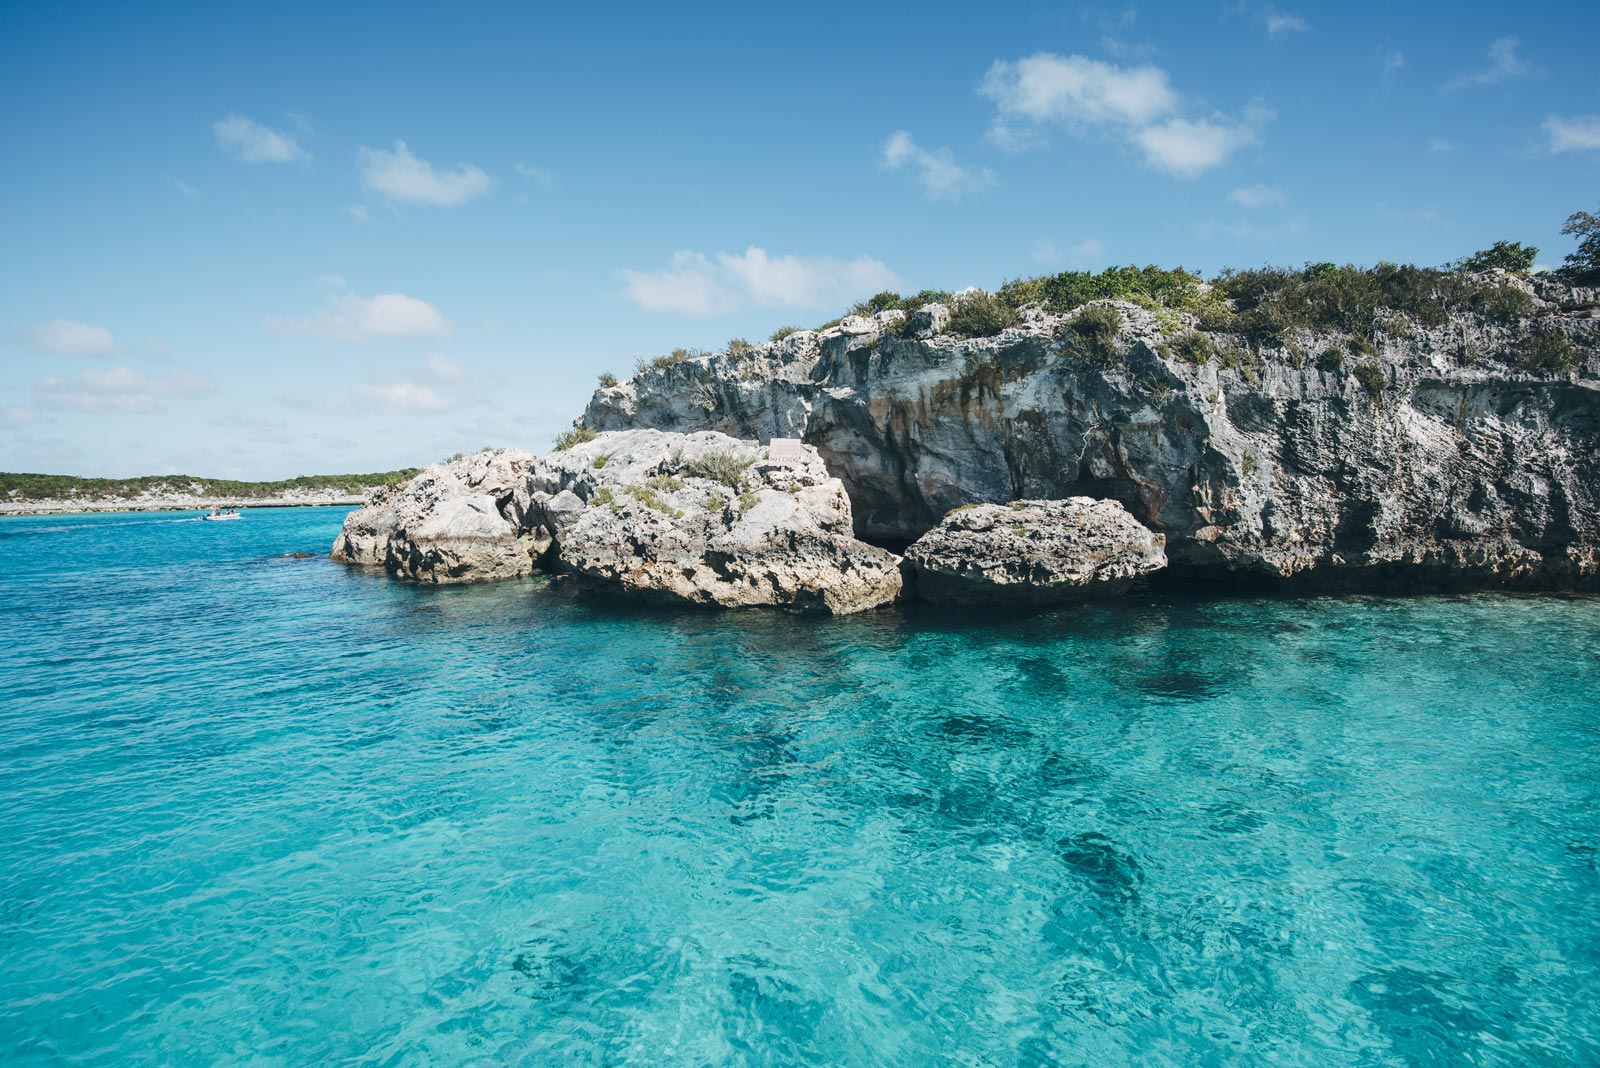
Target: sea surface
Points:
(265, 811)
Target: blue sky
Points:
(266, 240)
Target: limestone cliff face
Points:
(1428, 463)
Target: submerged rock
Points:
(1034, 552)
(700, 518)
(464, 520)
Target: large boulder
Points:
(464, 520)
(700, 518)
(710, 520)
(1034, 552)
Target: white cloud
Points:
(1440, 144)
(118, 390)
(688, 287)
(1279, 23)
(358, 212)
(541, 176)
(1258, 196)
(1185, 148)
(14, 416)
(1580, 133)
(1087, 249)
(940, 176)
(1076, 91)
(1504, 65)
(385, 317)
(69, 338)
(401, 176)
(405, 397)
(439, 387)
(695, 285)
(248, 141)
(185, 188)
(1136, 105)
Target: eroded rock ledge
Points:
(1422, 458)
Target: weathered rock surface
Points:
(710, 520)
(465, 520)
(1034, 552)
(701, 518)
(1430, 463)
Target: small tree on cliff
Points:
(1583, 266)
(1511, 256)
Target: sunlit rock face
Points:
(1428, 463)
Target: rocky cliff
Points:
(1452, 450)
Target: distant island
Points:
(35, 494)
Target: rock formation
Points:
(699, 518)
(1420, 458)
(1033, 552)
(465, 520)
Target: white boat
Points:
(217, 516)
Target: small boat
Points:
(217, 515)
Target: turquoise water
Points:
(263, 811)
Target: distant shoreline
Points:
(59, 507)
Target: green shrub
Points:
(981, 314)
(603, 459)
(1503, 304)
(1360, 346)
(1582, 268)
(1546, 351)
(1149, 286)
(922, 297)
(576, 436)
(1332, 359)
(829, 324)
(1094, 331)
(671, 359)
(783, 332)
(1372, 379)
(1506, 255)
(738, 346)
(720, 465)
(876, 303)
(607, 379)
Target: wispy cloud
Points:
(66, 337)
(401, 176)
(1186, 148)
(940, 176)
(1258, 196)
(1440, 144)
(185, 188)
(1279, 23)
(118, 390)
(1135, 105)
(540, 176)
(248, 141)
(1504, 65)
(1578, 133)
(439, 387)
(385, 317)
(694, 284)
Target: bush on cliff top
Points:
(1148, 286)
(980, 314)
(1511, 256)
(1582, 268)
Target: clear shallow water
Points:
(260, 811)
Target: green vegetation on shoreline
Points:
(19, 486)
